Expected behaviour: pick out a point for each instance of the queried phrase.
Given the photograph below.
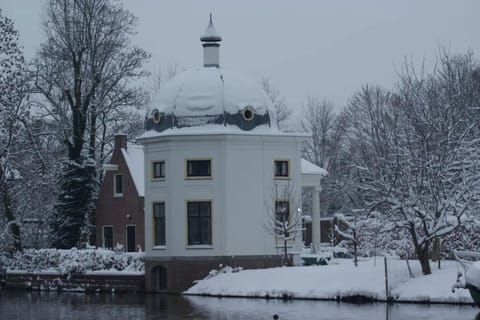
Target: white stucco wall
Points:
(249, 179)
(241, 190)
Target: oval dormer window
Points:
(248, 113)
(157, 116)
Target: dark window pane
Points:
(159, 223)
(204, 209)
(281, 168)
(131, 238)
(159, 169)
(194, 231)
(159, 210)
(118, 184)
(282, 215)
(192, 209)
(199, 223)
(205, 230)
(281, 206)
(199, 168)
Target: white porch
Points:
(311, 181)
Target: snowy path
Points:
(337, 281)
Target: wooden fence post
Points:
(387, 293)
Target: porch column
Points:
(316, 217)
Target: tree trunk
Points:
(93, 131)
(76, 147)
(421, 250)
(74, 201)
(91, 215)
(9, 215)
(422, 254)
(355, 260)
(436, 250)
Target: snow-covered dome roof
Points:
(210, 95)
(206, 96)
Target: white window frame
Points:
(275, 169)
(189, 177)
(164, 170)
(203, 245)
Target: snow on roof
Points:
(212, 129)
(134, 158)
(310, 168)
(211, 91)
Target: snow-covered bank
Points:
(340, 280)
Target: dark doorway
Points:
(307, 233)
(130, 238)
(108, 237)
(159, 276)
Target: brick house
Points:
(120, 217)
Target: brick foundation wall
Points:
(75, 282)
(181, 272)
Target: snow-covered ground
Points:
(339, 280)
(473, 275)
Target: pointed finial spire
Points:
(210, 34)
(211, 46)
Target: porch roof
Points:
(311, 174)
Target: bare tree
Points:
(284, 217)
(348, 230)
(318, 120)
(415, 152)
(282, 111)
(12, 111)
(326, 148)
(443, 148)
(83, 73)
(160, 76)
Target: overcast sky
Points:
(327, 49)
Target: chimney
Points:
(211, 46)
(120, 141)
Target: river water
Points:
(51, 305)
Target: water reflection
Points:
(52, 305)
(305, 309)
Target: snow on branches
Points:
(12, 111)
(417, 151)
(284, 216)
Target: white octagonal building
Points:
(216, 168)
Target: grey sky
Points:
(327, 49)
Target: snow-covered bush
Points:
(374, 234)
(222, 270)
(465, 237)
(74, 261)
